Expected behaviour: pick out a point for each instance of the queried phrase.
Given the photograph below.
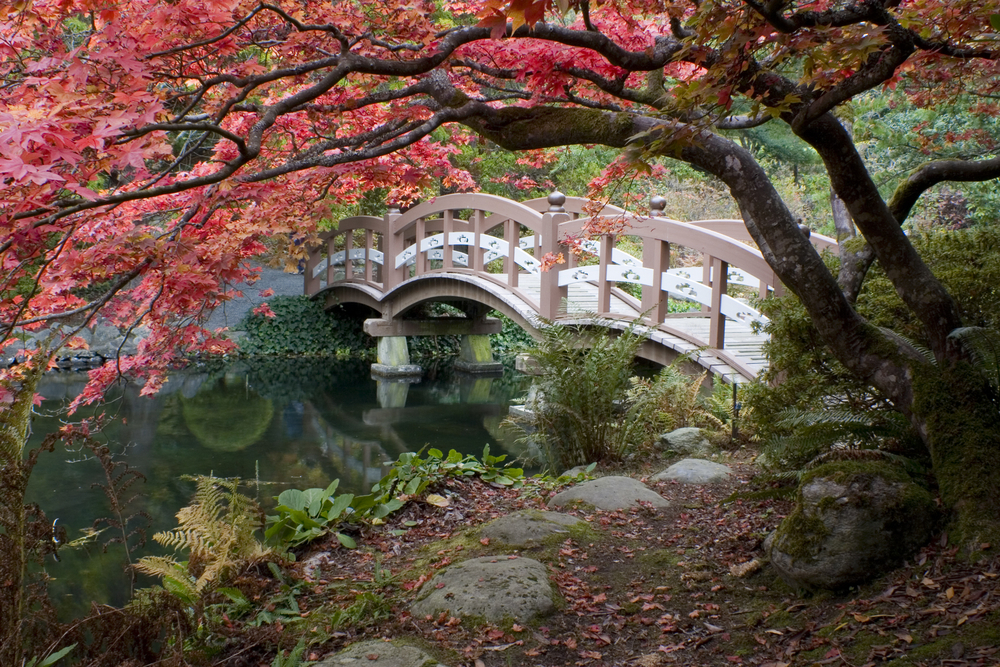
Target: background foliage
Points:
(302, 326)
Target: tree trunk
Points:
(958, 417)
(15, 421)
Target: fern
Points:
(983, 346)
(815, 432)
(585, 376)
(218, 530)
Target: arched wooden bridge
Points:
(481, 252)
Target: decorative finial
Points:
(657, 206)
(394, 208)
(805, 230)
(556, 201)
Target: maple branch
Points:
(663, 51)
(303, 27)
(499, 93)
(879, 68)
(496, 72)
(617, 87)
(210, 40)
(856, 265)
(94, 305)
(132, 135)
(585, 10)
(772, 12)
(931, 173)
(743, 122)
(400, 139)
(576, 99)
(947, 49)
(678, 30)
(916, 285)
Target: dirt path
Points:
(648, 588)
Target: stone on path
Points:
(376, 653)
(493, 588)
(687, 441)
(527, 527)
(609, 493)
(694, 471)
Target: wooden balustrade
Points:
(470, 234)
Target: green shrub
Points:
(807, 401)
(581, 416)
(302, 326)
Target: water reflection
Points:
(282, 423)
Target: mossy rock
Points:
(609, 493)
(376, 653)
(853, 522)
(530, 527)
(491, 588)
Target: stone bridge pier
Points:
(475, 351)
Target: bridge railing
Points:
(503, 241)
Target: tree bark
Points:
(15, 421)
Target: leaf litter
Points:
(684, 586)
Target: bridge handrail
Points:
(575, 206)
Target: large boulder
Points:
(853, 521)
(493, 588)
(687, 441)
(609, 493)
(694, 471)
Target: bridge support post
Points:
(476, 355)
(552, 295)
(394, 358)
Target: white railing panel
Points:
(631, 274)
(685, 288)
(734, 276)
(405, 256)
(625, 259)
(691, 290)
(527, 262)
(461, 238)
(495, 248)
(457, 257)
(434, 241)
(579, 274)
(617, 256)
(735, 309)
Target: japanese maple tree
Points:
(148, 148)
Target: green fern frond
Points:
(984, 347)
(813, 432)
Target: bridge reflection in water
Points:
(481, 252)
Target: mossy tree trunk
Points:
(959, 419)
(15, 420)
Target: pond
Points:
(277, 423)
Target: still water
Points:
(284, 423)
